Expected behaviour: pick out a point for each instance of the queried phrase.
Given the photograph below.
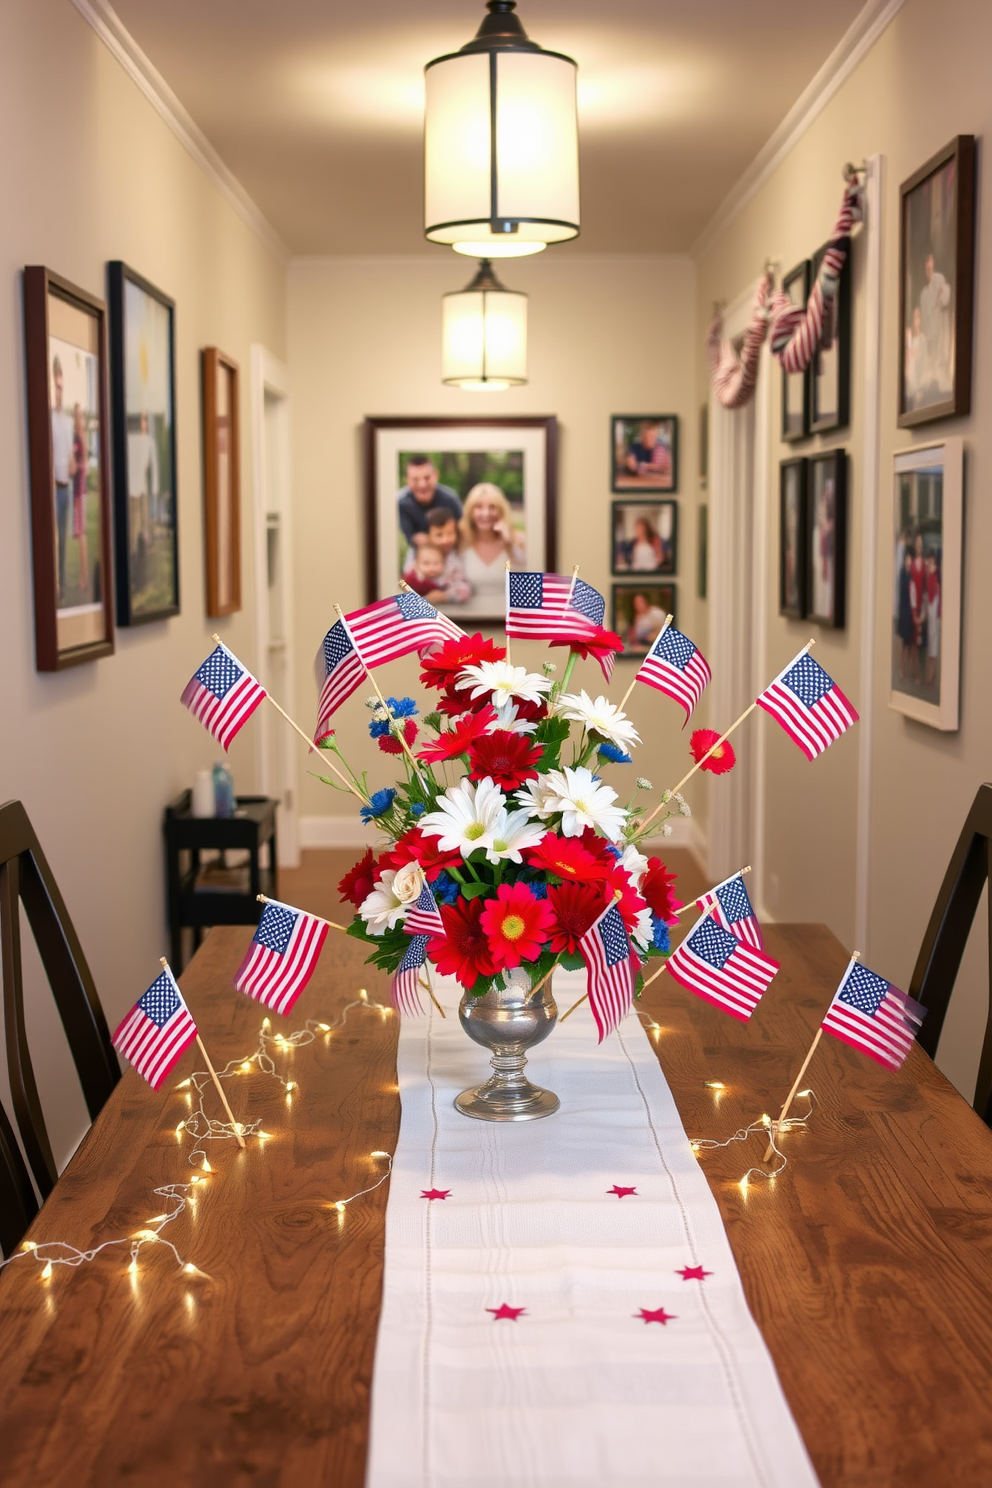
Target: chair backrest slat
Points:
(18, 1205)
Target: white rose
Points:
(408, 883)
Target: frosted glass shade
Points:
(501, 151)
(484, 338)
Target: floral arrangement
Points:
(504, 814)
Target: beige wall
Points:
(607, 335)
(916, 89)
(90, 172)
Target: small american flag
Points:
(605, 949)
(343, 673)
(873, 1016)
(717, 966)
(281, 957)
(424, 917)
(157, 1031)
(676, 667)
(808, 704)
(406, 982)
(553, 607)
(223, 695)
(731, 907)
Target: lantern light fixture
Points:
(484, 335)
(501, 150)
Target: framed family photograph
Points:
(936, 285)
(826, 538)
(638, 611)
(450, 501)
(829, 372)
(66, 359)
(143, 398)
(644, 452)
(927, 526)
(221, 483)
(644, 536)
(795, 385)
(793, 476)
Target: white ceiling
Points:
(316, 105)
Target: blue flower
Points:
(401, 707)
(660, 940)
(615, 755)
(379, 804)
(418, 808)
(378, 727)
(538, 888)
(445, 889)
(614, 851)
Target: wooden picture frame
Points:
(638, 624)
(65, 336)
(704, 446)
(792, 545)
(516, 457)
(631, 550)
(796, 385)
(928, 531)
(143, 398)
(936, 286)
(651, 441)
(829, 372)
(826, 539)
(221, 482)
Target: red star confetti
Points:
(655, 1315)
(693, 1273)
(503, 1311)
(620, 1191)
(434, 1193)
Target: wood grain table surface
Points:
(868, 1263)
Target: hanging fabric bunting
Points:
(734, 373)
(796, 330)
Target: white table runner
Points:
(625, 1366)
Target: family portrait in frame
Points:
(221, 482)
(826, 538)
(644, 452)
(644, 537)
(638, 612)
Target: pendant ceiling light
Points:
(501, 148)
(484, 335)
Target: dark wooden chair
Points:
(18, 1204)
(25, 877)
(943, 945)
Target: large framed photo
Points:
(826, 538)
(66, 359)
(793, 475)
(829, 372)
(928, 515)
(638, 611)
(644, 537)
(795, 385)
(143, 396)
(936, 285)
(221, 482)
(451, 501)
(644, 452)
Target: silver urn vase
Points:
(509, 1020)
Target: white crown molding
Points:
(852, 48)
(121, 44)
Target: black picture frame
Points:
(624, 428)
(826, 539)
(704, 446)
(146, 523)
(829, 371)
(944, 231)
(662, 517)
(703, 552)
(792, 542)
(662, 597)
(796, 385)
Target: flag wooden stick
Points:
(508, 662)
(236, 1125)
(264, 899)
(425, 982)
(571, 587)
(654, 976)
(573, 1007)
(545, 977)
(668, 621)
(406, 748)
(309, 742)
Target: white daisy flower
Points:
(537, 797)
(635, 863)
(466, 816)
(600, 717)
(512, 832)
(584, 802)
(409, 882)
(506, 718)
(504, 682)
(643, 931)
(383, 909)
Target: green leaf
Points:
(552, 731)
(474, 890)
(572, 962)
(432, 721)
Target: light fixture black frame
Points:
(485, 283)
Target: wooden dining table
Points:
(867, 1262)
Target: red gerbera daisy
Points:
(720, 761)
(389, 744)
(628, 900)
(457, 740)
(567, 858)
(576, 906)
(442, 666)
(601, 643)
(656, 888)
(530, 712)
(463, 950)
(516, 925)
(507, 758)
(414, 847)
(598, 846)
(359, 881)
